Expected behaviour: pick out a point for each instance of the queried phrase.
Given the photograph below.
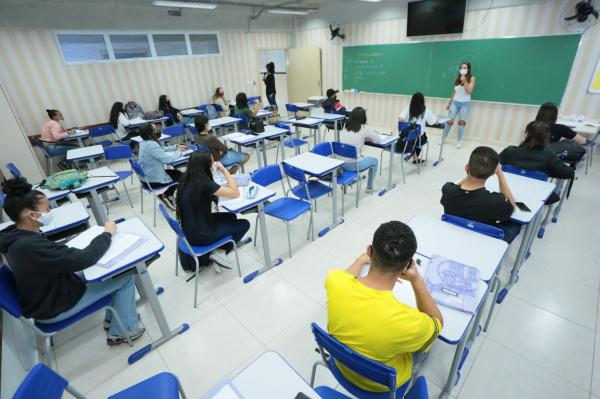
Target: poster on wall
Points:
(595, 83)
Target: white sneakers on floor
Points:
(222, 259)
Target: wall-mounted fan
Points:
(336, 32)
(579, 15)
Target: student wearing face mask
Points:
(164, 105)
(49, 287)
(460, 102)
(53, 132)
(219, 99)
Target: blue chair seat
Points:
(329, 393)
(315, 188)
(163, 385)
(61, 325)
(287, 208)
(155, 188)
(104, 143)
(346, 178)
(124, 174)
(203, 249)
(293, 143)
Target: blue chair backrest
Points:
(12, 168)
(282, 125)
(38, 143)
(294, 173)
(369, 368)
(267, 175)
(2, 197)
(218, 107)
(118, 152)
(325, 149)
(170, 116)
(211, 111)
(245, 118)
(192, 129)
(253, 99)
(8, 292)
(103, 130)
(41, 382)
(172, 222)
(345, 150)
(202, 107)
(200, 147)
(137, 168)
(477, 227)
(291, 108)
(413, 134)
(174, 131)
(524, 172)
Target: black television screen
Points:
(435, 17)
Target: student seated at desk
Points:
(196, 195)
(332, 105)
(533, 154)
(469, 198)
(417, 113)
(363, 313)
(49, 286)
(119, 121)
(242, 108)
(153, 157)
(562, 138)
(219, 151)
(219, 99)
(355, 133)
(52, 134)
(164, 105)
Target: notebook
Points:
(241, 179)
(452, 284)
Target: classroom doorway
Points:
(304, 73)
(279, 58)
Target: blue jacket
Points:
(152, 159)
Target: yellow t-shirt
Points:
(375, 324)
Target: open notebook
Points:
(452, 284)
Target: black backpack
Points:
(256, 125)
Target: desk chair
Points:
(43, 382)
(49, 164)
(286, 208)
(174, 131)
(100, 131)
(590, 146)
(12, 168)
(307, 190)
(145, 186)
(196, 250)
(368, 368)
(10, 303)
(351, 152)
(120, 152)
(412, 141)
(292, 142)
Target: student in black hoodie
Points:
(48, 286)
(332, 105)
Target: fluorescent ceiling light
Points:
(288, 11)
(184, 4)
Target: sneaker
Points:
(106, 323)
(166, 201)
(112, 340)
(408, 156)
(222, 259)
(458, 145)
(373, 190)
(418, 161)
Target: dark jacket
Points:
(538, 160)
(332, 105)
(270, 83)
(44, 270)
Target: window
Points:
(169, 44)
(204, 44)
(130, 46)
(78, 47)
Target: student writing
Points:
(230, 158)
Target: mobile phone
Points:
(251, 193)
(522, 207)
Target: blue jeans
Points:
(462, 110)
(271, 99)
(364, 164)
(511, 230)
(122, 290)
(57, 150)
(232, 157)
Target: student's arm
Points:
(218, 145)
(430, 117)
(504, 189)
(123, 120)
(425, 302)
(403, 115)
(164, 154)
(579, 139)
(231, 190)
(372, 136)
(358, 264)
(451, 98)
(57, 132)
(469, 86)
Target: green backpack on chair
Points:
(67, 179)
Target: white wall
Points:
(489, 121)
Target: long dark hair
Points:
(19, 196)
(200, 123)
(457, 80)
(163, 103)
(197, 176)
(548, 113)
(217, 93)
(52, 113)
(147, 133)
(270, 67)
(417, 106)
(537, 135)
(241, 101)
(357, 118)
(115, 111)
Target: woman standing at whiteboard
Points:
(460, 102)
(269, 79)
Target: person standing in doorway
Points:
(460, 102)
(269, 79)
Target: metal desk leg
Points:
(159, 315)
(297, 129)
(269, 264)
(336, 221)
(79, 142)
(563, 195)
(456, 363)
(529, 231)
(97, 208)
(258, 157)
(263, 144)
(282, 143)
(440, 159)
(336, 129)
(390, 172)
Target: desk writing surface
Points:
(52, 194)
(226, 120)
(242, 203)
(65, 215)
(304, 122)
(98, 177)
(190, 112)
(328, 117)
(85, 152)
(587, 127)
(314, 164)
(162, 137)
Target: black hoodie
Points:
(332, 105)
(44, 270)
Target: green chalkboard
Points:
(524, 70)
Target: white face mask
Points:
(45, 218)
(463, 72)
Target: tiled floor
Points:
(541, 343)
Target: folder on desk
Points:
(452, 284)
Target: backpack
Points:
(133, 110)
(567, 150)
(256, 125)
(211, 112)
(67, 179)
(153, 115)
(403, 134)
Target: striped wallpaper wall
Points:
(36, 77)
(488, 121)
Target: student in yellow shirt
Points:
(364, 314)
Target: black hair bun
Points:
(17, 187)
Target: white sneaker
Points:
(458, 145)
(372, 190)
(222, 259)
